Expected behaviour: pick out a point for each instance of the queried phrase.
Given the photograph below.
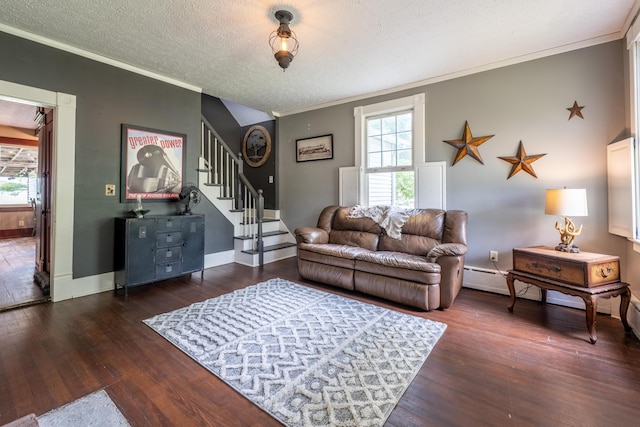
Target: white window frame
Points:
(632, 199)
(415, 103)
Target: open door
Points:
(43, 203)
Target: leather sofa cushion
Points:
(362, 232)
(422, 231)
(426, 297)
(401, 266)
(338, 255)
(334, 275)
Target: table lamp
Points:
(567, 202)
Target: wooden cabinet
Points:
(584, 269)
(157, 248)
(586, 275)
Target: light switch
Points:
(270, 179)
(110, 190)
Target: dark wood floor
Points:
(17, 264)
(533, 367)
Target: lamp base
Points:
(563, 247)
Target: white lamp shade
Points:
(566, 202)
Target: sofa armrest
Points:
(446, 249)
(311, 235)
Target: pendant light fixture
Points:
(283, 41)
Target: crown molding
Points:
(95, 57)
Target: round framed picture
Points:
(256, 146)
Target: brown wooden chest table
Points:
(587, 275)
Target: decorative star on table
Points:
(522, 162)
(468, 145)
(575, 110)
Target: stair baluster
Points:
(234, 184)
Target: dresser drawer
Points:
(170, 254)
(169, 239)
(582, 269)
(167, 270)
(172, 223)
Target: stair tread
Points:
(225, 198)
(270, 248)
(210, 184)
(265, 234)
(264, 220)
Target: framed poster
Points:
(153, 162)
(316, 148)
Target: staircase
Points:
(259, 236)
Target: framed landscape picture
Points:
(152, 164)
(316, 148)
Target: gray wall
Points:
(525, 102)
(106, 97)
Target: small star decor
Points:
(575, 110)
(522, 162)
(468, 145)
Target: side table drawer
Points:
(580, 269)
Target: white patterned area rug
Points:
(307, 357)
(94, 410)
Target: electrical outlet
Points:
(20, 223)
(493, 256)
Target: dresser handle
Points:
(606, 273)
(555, 268)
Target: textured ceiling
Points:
(348, 48)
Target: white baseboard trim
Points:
(495, 281)
(67, 287)
(219, 258)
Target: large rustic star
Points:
(522, 162)
(575, 110)
(468, 145)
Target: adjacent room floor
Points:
(17, 264)
(532, 367)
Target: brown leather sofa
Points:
(423, 268)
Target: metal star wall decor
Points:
(522, 162)
(575, 110)
(468, 145)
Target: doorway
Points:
(25, 142)
(62, 283)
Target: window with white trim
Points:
(389, 160)
(389, 144)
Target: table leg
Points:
(591, 306)
(512, 291)
(625, 298)
(543, 295)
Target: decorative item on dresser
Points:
(589, 276)
(156, 248)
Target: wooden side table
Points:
(586, 275)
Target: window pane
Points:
(391, 189)
(389, 125)
(388, 158)
(404, 189)
(14, 190)
(404, 140)
(405, 121)
(389, 142)
(404, 157)
(374, 144)
(380, 189)
(373, 127)
(375, 160)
